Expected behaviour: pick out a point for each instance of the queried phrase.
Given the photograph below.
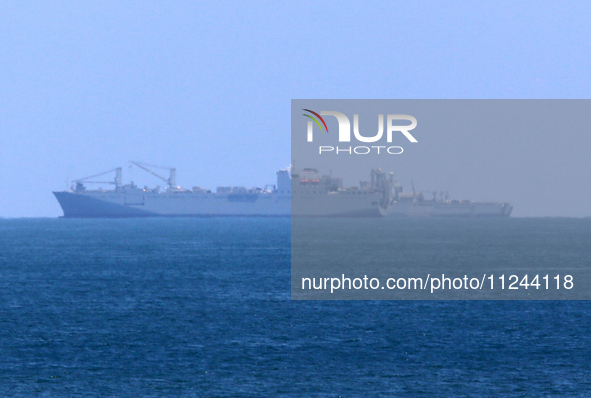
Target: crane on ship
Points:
(171, 180)
(89, 180)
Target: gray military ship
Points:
(297, 193)
(417, 204)
(130, 200)
(320, 196)
(381, 196)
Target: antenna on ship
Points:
(171, 180)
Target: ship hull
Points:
(451, 209)
(122, 205)
(110, 204)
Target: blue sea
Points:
(202, 308)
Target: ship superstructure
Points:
(323, 195)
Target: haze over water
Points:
(206, 88)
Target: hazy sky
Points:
(206, 86)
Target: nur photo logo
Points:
(392, 127)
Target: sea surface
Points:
(202, 308)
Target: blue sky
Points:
(206, 86)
